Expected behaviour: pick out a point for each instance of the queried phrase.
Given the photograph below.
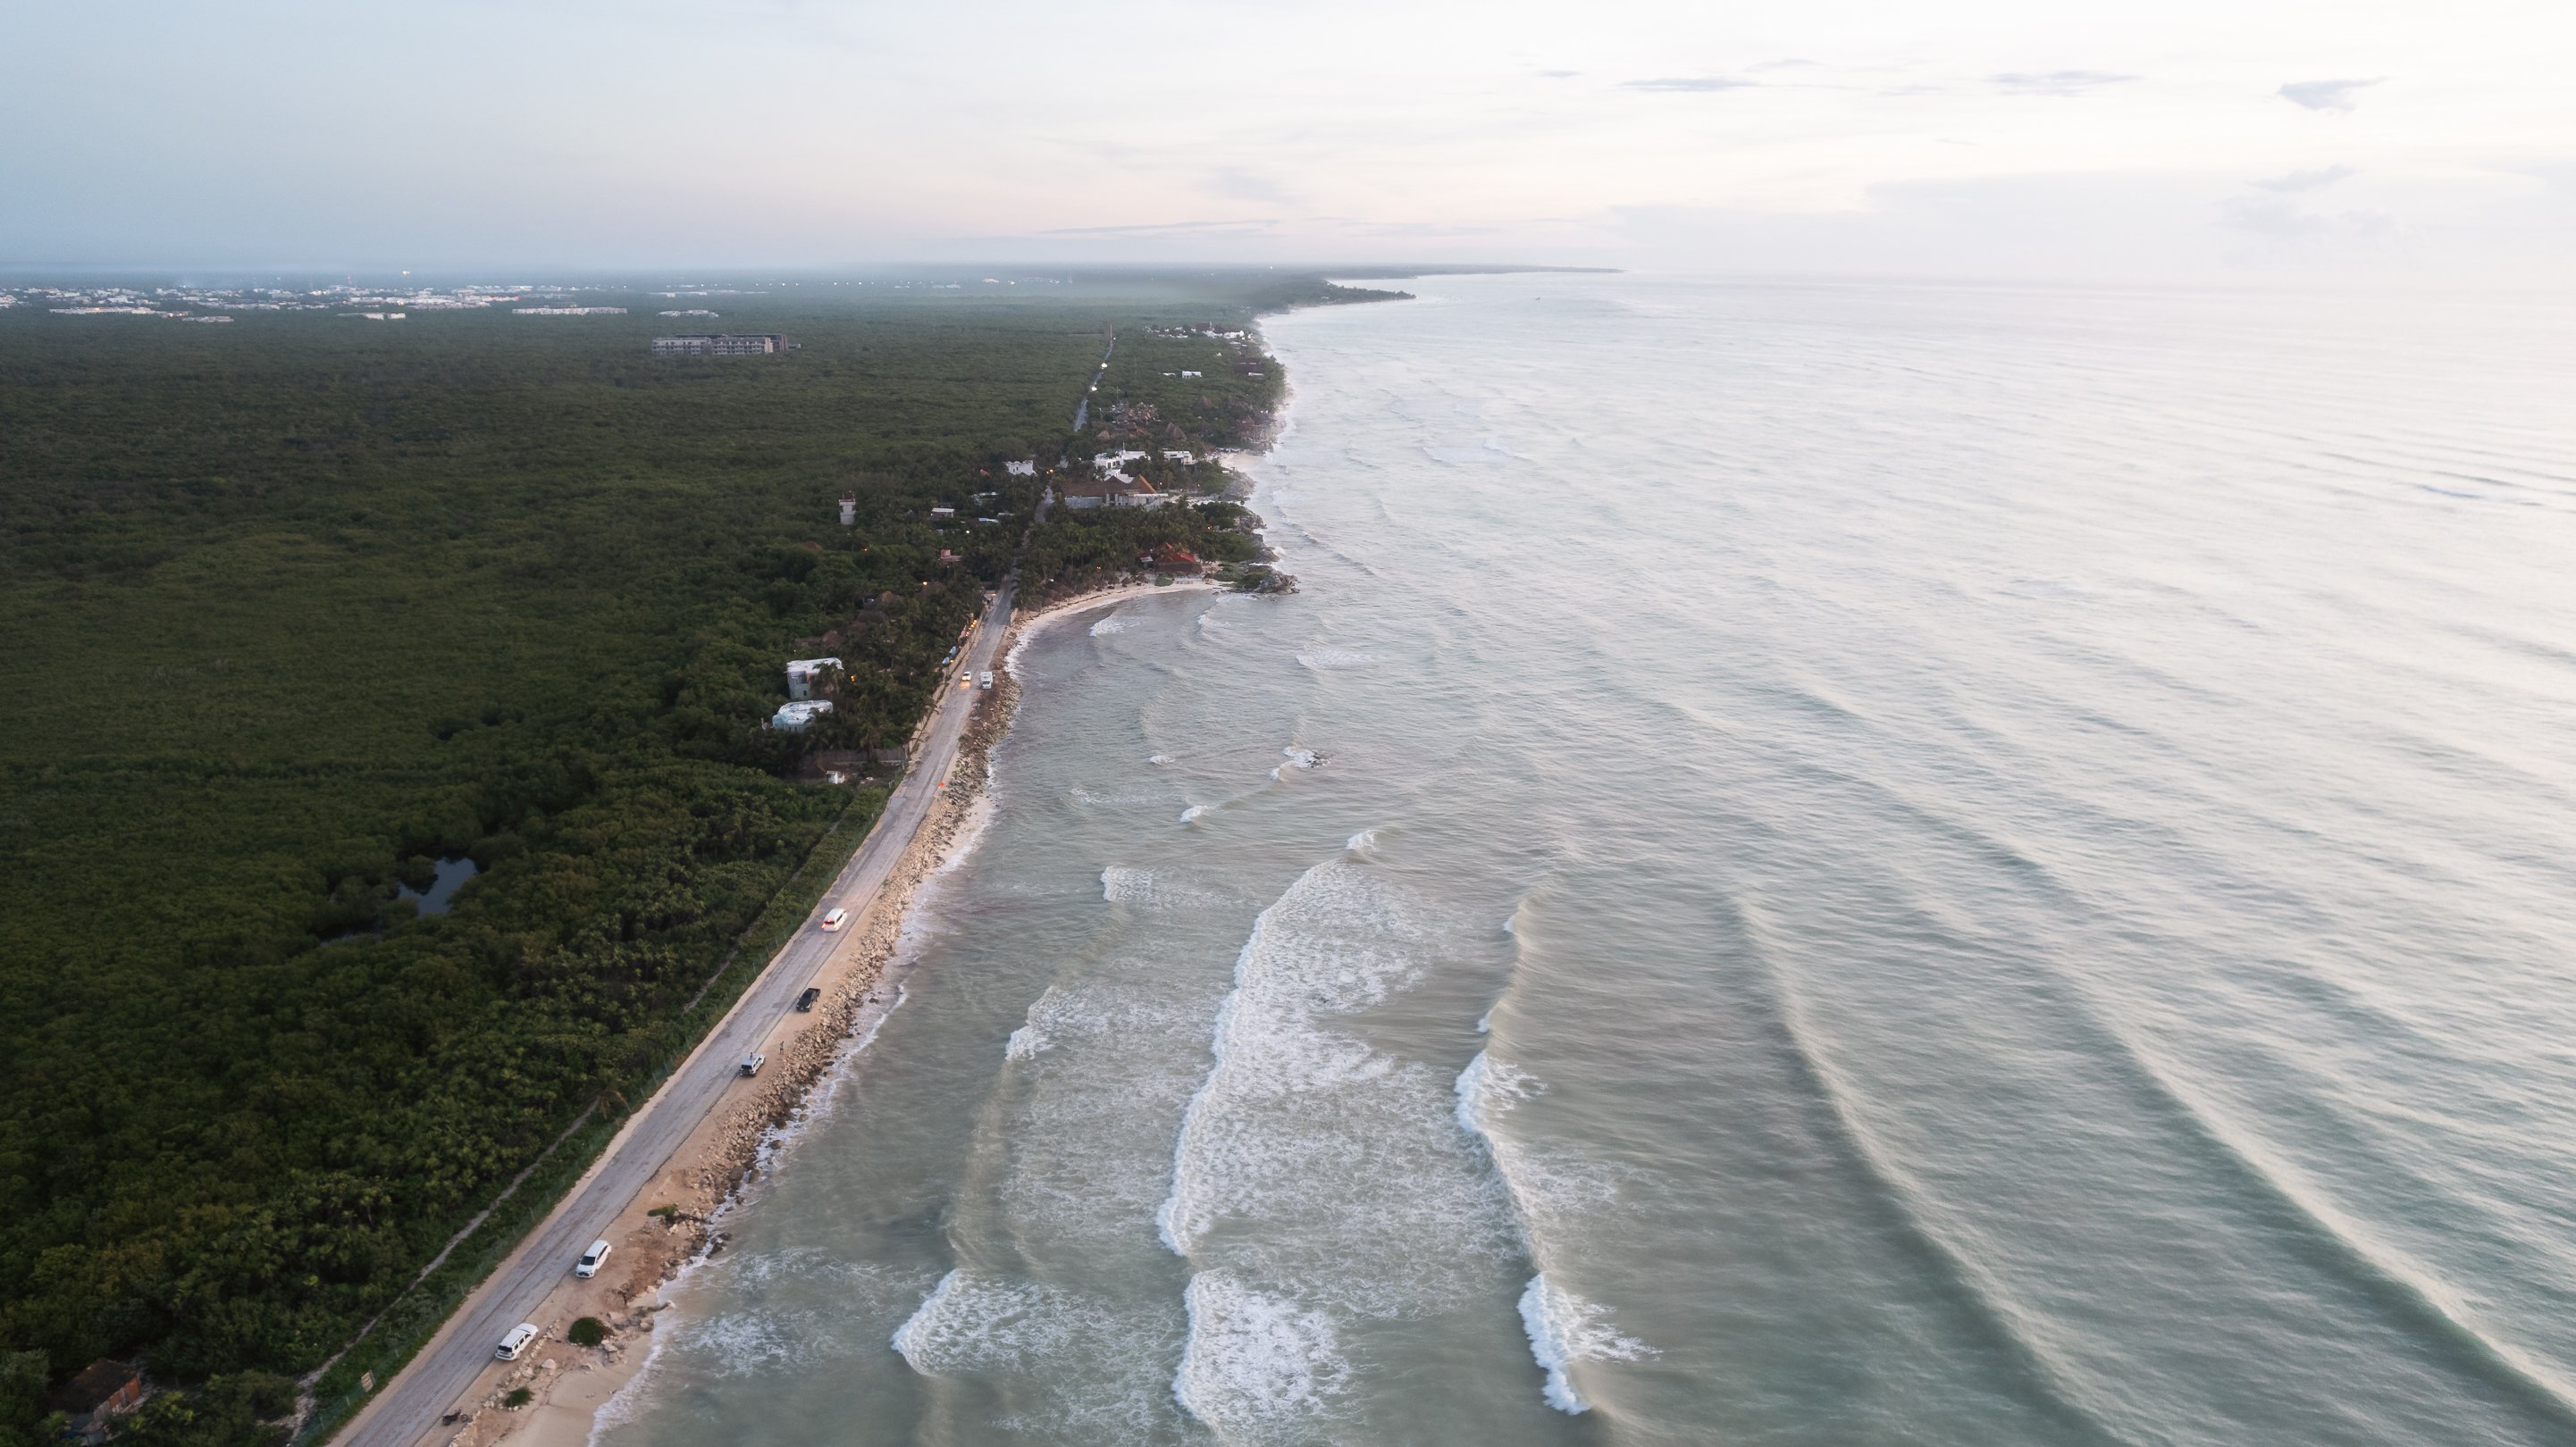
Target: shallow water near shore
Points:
(1814, 864)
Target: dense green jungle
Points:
(294, 608)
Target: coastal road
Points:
(1082, 408)
(408, 1408)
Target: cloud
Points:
(2055, 82)
(1238, 184)
(1558, 74)
(2281, 219)
(1168, 228)
(2324, 95)
(2314, 179)
(1687, 83)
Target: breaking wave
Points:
(1255, 1361)
(1564, 1329)
(1334, 943)
(973, 1324)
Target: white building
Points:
(802, 672)
(849, 512)
(793, 717)
(1022, 469)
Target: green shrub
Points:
(588, 1331)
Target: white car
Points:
(517, 1341)
(588, 1265)
(836, 919)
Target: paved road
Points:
(409, 1407)
(1082, 409)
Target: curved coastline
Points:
(724, 1160)
(728, 1156)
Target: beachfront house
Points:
(804, 674)
(92, 1401)
(793, 716)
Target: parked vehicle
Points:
(984, 680)
(836, 919)
(520, 1338)
(806, 1000)
(588, 1265)
(751, 1063)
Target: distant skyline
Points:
(2188, 141)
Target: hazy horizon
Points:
(1992, 140)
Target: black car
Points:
(806, 1000)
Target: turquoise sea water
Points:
(1818, 864)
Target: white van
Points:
(751, 1063)
(517, 1341)
(836, 919)
(589, 1263)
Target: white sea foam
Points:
(634, 1401)
(1362, 842)
(1328, 659)
(1122, 884)
(1255, 1362)
(1297, 759)
(971, 1323)
(1293, 1104)
(1092, 1148)
(1158, 889)
(1192, 812)
(1159, 759)
(1544, 1189)
(1488, 1087)
(1026, 1043)
(1564, 1329)
(1114, 623)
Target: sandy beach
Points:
(677, 1219)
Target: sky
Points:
(2184, 139)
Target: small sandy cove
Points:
(569, 1384)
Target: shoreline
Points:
(729, 1152)
(725, 1155)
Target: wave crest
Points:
(1564, 1329)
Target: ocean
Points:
(1813, 863)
